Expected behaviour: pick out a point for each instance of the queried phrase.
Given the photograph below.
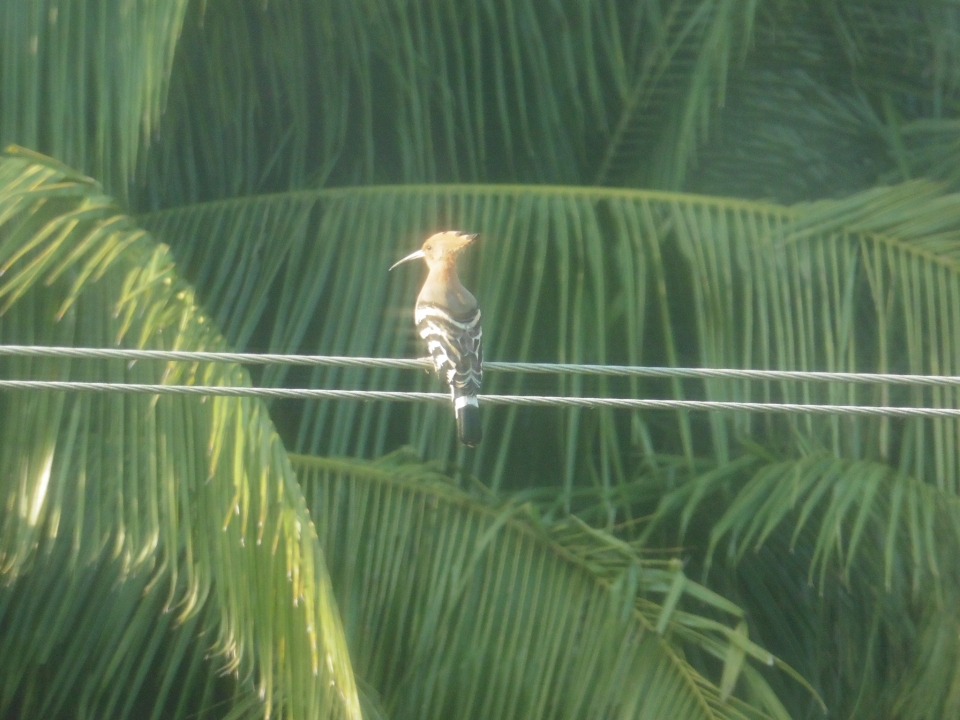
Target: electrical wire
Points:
(521, 367)
(543, 400)
(426, 364)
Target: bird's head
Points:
(443, 247)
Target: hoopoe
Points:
(448, 319)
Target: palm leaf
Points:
(85, 81)
(576, 275)
(833, 96)
(860, 512)
(487, 90)
(929, 148)
(879, 548)
(142, 532)
(787, 136)
(860, 284)
(463, 608)
(681, 76)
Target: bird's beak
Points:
(411, 256)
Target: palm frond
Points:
(788, 136)
(925, 148)
(861, 557)
(853, 640)
(86, 81)
(681, 75)
(487, 90)
(463, 608)
(834, 96)
(908, 50)
(932, 685)
(164, 514)
(615, 276)
(855, 509)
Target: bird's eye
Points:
(428, 248)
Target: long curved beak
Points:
(411, 256)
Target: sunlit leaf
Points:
(459, 607)
(147, 543)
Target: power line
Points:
(522, 367)
(225, 357)
(523, 400)
(549, 401)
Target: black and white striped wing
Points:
(455, 346)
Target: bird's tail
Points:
(468, 420)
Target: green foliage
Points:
(811, 537)
(85, 80)
(158, 531)
(457, 606)
(143, 538)
(377, 91)
(615, 276)
(255, 138)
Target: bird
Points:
(447, 317)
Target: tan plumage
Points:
(448, 319)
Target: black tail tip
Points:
(468, 425)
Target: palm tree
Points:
(168, 556)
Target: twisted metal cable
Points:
(201, 356)
(523, 367)
(549, 401)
